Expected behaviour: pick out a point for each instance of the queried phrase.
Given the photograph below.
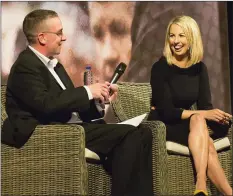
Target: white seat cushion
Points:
(91, 155)
(175, 148)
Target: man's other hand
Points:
(114, 92)
(100, 91)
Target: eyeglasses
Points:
(59, 34)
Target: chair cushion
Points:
(91, 155)
(176, 148)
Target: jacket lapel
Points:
(61, 72)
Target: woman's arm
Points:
(187, 113)
(161, 95)
(162, 100)
(204, 97)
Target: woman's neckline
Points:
(175, 65)
(182, 67)
(187, 70)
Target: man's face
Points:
(53, 34)
(111, 28)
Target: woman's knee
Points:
(197, 123)
(197, 118)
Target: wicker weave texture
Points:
(132, 100)
(51, 163)
(159, 157)
(3, 103)
(99, 182)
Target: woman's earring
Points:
(190, 49)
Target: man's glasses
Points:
(59, 34)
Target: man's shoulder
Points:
(26, 59)
(27, 55)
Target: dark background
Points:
(230, 35)
(148, 33)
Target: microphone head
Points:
(121, 68)
(118, 73)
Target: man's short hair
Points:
(33, 21)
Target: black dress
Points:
(175, 89)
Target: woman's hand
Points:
(217, 115)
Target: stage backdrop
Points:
(102, 34)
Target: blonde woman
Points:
(180, 79)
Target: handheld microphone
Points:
(118, 73)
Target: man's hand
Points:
(100, 91)
(114, 92)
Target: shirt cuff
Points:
(90, 96)
(100, 106)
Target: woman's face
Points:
(178, 42)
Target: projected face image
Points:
(110, 24)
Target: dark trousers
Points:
(126, 152)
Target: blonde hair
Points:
(193, 35)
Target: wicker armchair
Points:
(52, 162)
(172, 174)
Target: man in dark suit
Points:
(39, 91)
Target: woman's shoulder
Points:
(202, 66)
(160, 65)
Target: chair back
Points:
(129, 96)
(3, 103)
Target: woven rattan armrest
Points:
(119, 111)
(229, 134)
(159, 155)
(52, 162)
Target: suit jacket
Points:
(34, 97)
